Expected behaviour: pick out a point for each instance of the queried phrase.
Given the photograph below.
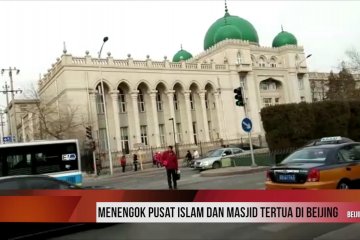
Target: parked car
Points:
(244, 146)
(323, 166)
(38, 230)
(212, 159)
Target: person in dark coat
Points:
(170, 162)
(123, 162)
(135, 161)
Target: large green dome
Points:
(182, 55)
(284, 38)
(246, 29)
(227, 32)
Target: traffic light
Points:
(239, 97)
(89, 132)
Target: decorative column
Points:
(170, 95)
(115, 105)
(188, 114)
(218, 114)
(155, 118)
(204, 116)
(134, 96)
(94, 115)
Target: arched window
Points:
(141, 102)
(273, 62)
(122, 101)
(261, 62)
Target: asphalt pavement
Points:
(191, 179)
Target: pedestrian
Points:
(188, 157)
(123, 162)
(158, 159)
(170, 162)
(196, 154)
(135, 161)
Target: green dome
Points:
(284, 38)
(246, 29)
(227, 32)
(182, 55)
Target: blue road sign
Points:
(7, 139)
(246, 124)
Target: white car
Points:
(212, 159)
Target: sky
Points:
(33, 32)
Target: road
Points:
(190, 179)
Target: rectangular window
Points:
(176, 103)
(277, 101)
(302, 98)
(206, 100)
(267, 102)
(195, 132)
(124, 140)
(301, 83)
(159, 103)
(141, 102)
(122, 103)
(99, 104)
(192, 101)
(210, 130)
(162, 134)
(102, 139)
(144, 136)
(179, 131)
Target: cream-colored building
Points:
(196, 91)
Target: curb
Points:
(118, 174)
(230, 173)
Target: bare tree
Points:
(353, 60)
(341, 86)
(54, 119)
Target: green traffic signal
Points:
(239, 97)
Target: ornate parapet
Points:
(86, 62)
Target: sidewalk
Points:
(105, 173)
(232, 171)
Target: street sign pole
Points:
(247, 128)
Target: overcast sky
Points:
(32, 33)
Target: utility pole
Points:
(13, 131)
(2, 126)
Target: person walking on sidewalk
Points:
(135, 161)
(170, 162)
(123, 163)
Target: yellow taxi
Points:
(330, 164)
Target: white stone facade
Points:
(141, 96)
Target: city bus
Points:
(56, 158)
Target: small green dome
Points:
(227, 32)
(182, 55)
(246, 29)
(284, 38)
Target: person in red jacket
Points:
(170, 162)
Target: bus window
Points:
(18, 164)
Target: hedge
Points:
(293, 125)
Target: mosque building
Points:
(187, 99)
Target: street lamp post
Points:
(2, 126)
(8, 89)
(173, 125)
(105, 110)
(298, 65)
